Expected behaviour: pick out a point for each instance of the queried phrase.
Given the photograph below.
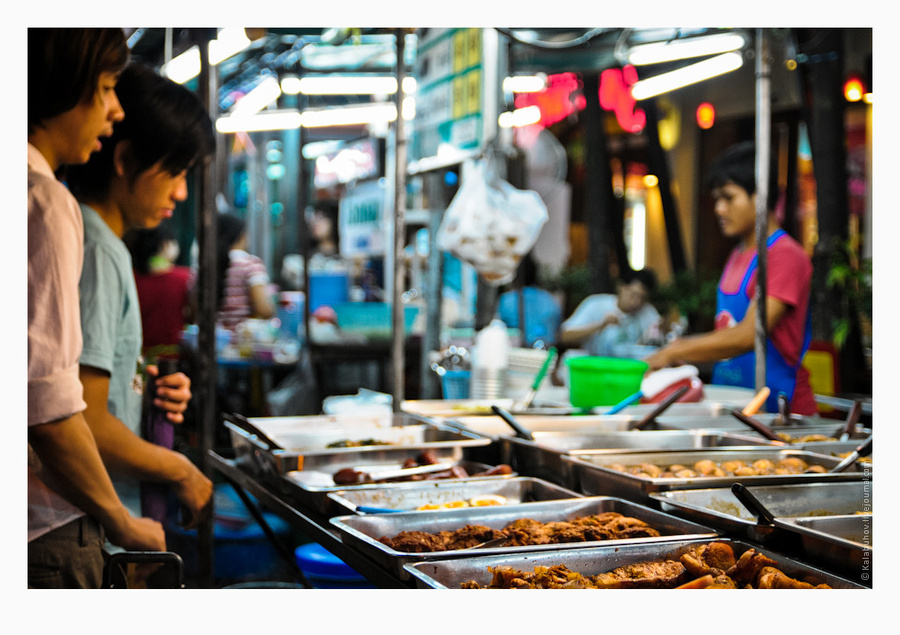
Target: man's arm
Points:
(68, 452)
(719, 344)
(127, 454)
(576, 335)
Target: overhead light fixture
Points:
(384, 112)
(263, 94)
(353, 85)
(520, 117)
(186, 66)
(260, 121)
(525, 83)
(701, 71)
(700, 46)
(290, 85)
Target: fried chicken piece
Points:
(763, 466)
(705, 467)
(772, 578)
(714, 558)
(733, 465)
(795, 464)
(748, 566)
(815, 469)
(722, 582)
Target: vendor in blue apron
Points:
(732, 183)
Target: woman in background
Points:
(243, 279)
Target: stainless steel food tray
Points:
(409, 496)
(542, 457)
(363, 532)
(311, 487)
(597, 478)
(728, 422)
(277, 445)
(720, 508)
(494, 427)
(834, 448)
(451, 573)
(839, 543)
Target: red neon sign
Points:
(615, 96)
(557, 101)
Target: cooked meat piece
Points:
(524, 531)
(597, 519)
(618, 467)
(705, 467)
(709, 559)
(763, 466)
(722, 582)
(503, 468)
(650, 470)
(677, 467)
(626, 527)
(731, 466)
(349, 476)
(745, 471)
(471, 584)
(573, 532)
(748, 567)
(665, 574)
(471, 535)
(815, 469)
(793, 463)
(697, 583)
(428, 458)
(772, 578)
(408, 463)
(507, 578)
(686, 473)
(416, 541)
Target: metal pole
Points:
(763, 152)
(398, 341)
(205, 382)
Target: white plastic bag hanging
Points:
(490, 224)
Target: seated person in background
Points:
(732, 183)
(542, 312)
(603, 322)
(243, 279)
(162, 288)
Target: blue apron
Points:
(781, 377)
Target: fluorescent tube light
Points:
(719, 65)
(520, 117)
(350, 115)
(290, 85)
(186, 66)
(266, 120)
(353, 85)
(263, 94)
(659, 52)
(525, 83)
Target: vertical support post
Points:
(763, 153)
(398, 341)
(434, 279)
(205, 382)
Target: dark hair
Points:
(64, 67)
(738, 165)
(165, 123)
(229, 228)
(645, 276)
(146, 243)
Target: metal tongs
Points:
(864, 449)
(662, 407)
(764, 430)
(764, 516)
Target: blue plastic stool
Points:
(324, 570)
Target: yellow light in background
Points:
(650, 180)
(520, 117)
(853, 89)
(706, 115)
(637, 253)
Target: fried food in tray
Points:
(706, 566)
(710, 468)
(526, 531)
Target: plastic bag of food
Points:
(490, 224)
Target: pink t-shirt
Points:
(789, 275)
(244, 271)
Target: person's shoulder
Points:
(788, 247)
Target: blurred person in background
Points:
(604, 324)
(135, 182)
(243, 278)
(542, 312)
(732, 183)
(72, 105)
(162, 288)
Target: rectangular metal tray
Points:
(409, 496)
(311, 487)
(363, 532)
(840, 543)
(597, 478)
(275, 446)
(727, 421)
(494, 427)
(542, 457)
(720, 508)
(451, 573)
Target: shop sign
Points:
(361, 220)
(450, 79)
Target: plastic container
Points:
(324, 570)
(372, 319)
(490, 359)
(455, 384)
(327, 289)
(603, 381)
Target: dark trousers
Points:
(69, 557)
